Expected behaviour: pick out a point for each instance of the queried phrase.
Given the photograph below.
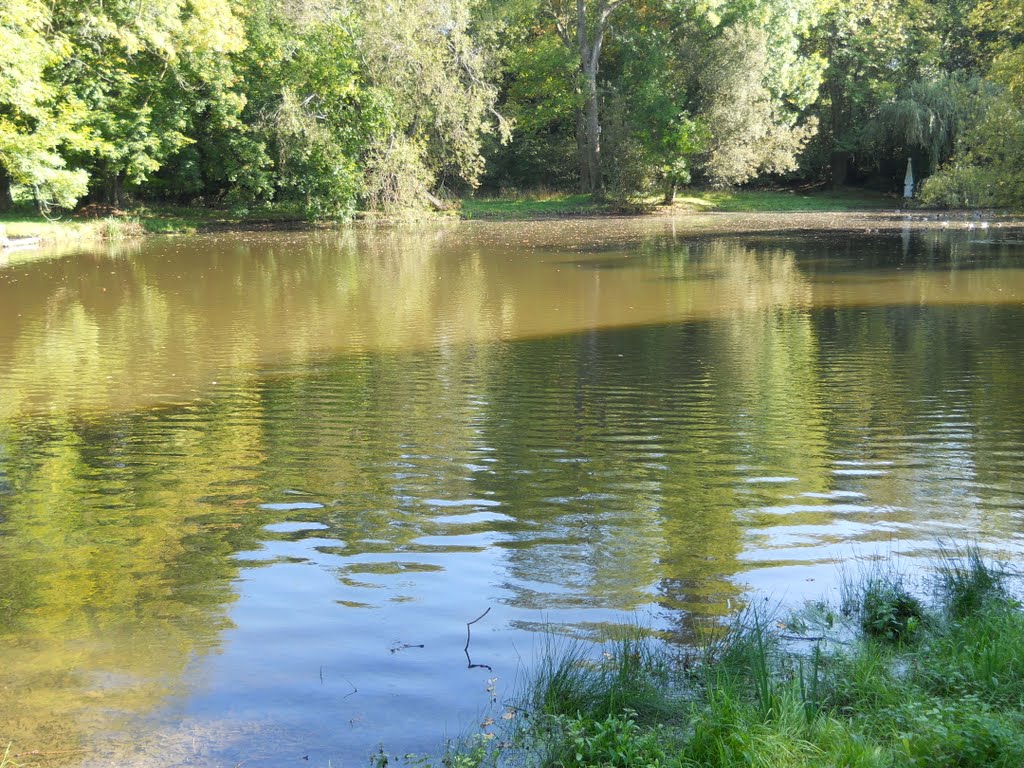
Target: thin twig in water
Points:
(402, 646)
(469, 661)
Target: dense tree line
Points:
(334, 104)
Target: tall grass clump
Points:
(966, 581)
(620, 708)
(631, 675)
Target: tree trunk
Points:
(586, 44)
(593, 131)
(840, 162)
(435, 202)
(6, 200)
(581, 152)
(840, 159)
(114, 191)
(670, 192)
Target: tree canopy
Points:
(332, 105)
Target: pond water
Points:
(254, 486)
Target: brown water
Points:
(244, 478)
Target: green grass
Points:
(535, 207)
(25, 222)
(22, 224)
(552, 205)
(763, 201)
(939, 683)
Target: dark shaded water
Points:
(253, 487)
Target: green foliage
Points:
(988, 168)
(967, 581)
(38, 119)
(928, 115)
(617, 741)
(750, 132)
(887, 610)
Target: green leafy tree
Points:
(38, 119)
(146, 71)
(429, 69)
(874, 50)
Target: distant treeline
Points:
(332, 105)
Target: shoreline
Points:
(24, 231)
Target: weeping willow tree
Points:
(929, 116)
(987, 169)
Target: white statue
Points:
(908, 180)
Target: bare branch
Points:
(469, 661)
(563, 34)
(609, 9)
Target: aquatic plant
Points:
(966, 580)
(883, 603)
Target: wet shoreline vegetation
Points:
(890, 677)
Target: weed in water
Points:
(966, 580)
(744, 660)
(952, 697)
(883, 604)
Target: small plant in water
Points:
(966, 581)
(883, 605)
(890, 612)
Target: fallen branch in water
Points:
(469, 661)
(402, 646)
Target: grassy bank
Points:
(143, 220)
(22, 225)
(543, 206)
(887, 678)
(758, 201)
(553, 205)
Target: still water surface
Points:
(252, 487)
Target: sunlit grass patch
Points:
(54, 230)
(768, 201)
(544, 205)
